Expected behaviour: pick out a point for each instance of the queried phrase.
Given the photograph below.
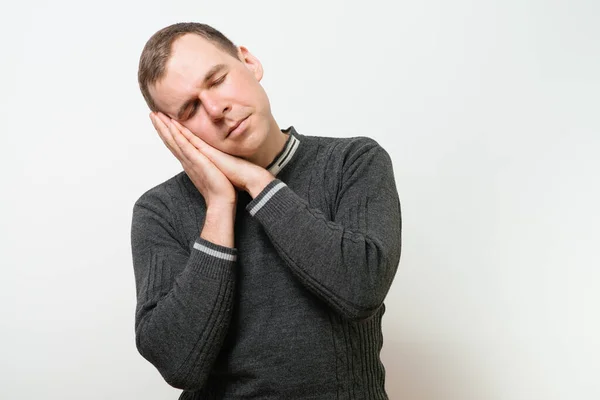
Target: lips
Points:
(234, 127)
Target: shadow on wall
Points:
(433, 371)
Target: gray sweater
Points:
(294, 311)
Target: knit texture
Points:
(294, 311)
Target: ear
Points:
(251, 62)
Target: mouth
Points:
(236, 125)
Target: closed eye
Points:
(193, 107)
(192, 110)
(217, 82)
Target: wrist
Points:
(219, 225)
(222, 204)
(257, 185)
(220, 210)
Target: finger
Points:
(174, 132)
(161, 131)
(167, 137)
(163, 117)
(158, 129)
(200, 144)
(193, 139)
(187, 149)
(163, 137)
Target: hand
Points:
(214, 186)
(241, 173)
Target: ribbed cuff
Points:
(213, 260)
(263, 197)
(273, 202)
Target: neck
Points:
(273, 144)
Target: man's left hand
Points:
(241, 173)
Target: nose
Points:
(215, 107)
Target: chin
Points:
(252, 143)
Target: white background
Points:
(490, 110)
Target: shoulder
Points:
(345, 152)
(164, 195)
(346, 144)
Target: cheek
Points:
(196, 127)
(244, 89)
(205, 131)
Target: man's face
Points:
(210, 92)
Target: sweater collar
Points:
(284, 157)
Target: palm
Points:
(214, 186)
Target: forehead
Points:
(194, 51)
(191, 58)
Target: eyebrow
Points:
(208, 76)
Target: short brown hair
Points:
(157, 51)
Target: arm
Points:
(350, 261)
(184, 295)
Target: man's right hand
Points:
(210, 181)
(219, 194)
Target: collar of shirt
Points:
(284, 157)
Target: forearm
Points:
(219, 225)
(185, 300)
(258, 182)
(349, 266)
(182, 332)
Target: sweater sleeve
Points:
(184, 296)
(349, 261)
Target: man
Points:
(261, 269)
